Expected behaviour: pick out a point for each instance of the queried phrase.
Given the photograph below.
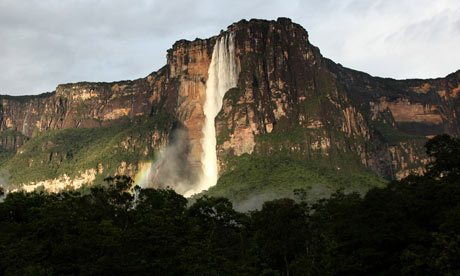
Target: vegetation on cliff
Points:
(74, 150)
(410, 227)
(282, 174)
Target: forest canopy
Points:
(410, 227)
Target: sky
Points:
(44, 43)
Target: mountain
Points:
(290, 119)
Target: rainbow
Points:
(146, 173)
(143, 175)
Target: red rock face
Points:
(284, 84)
(189, 63)
(76, 105)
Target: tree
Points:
(445, 154)
(219, 238)
(281, 231)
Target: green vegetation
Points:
(410, 227)
(280, 175)
(8, 133)
(10, 138)
(392, 135)
(26, 98)
(234, 95)
(5, 155)
(71, 151)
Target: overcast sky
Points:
(47, 42)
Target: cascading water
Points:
(222, 75)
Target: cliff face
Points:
(420, 107)
(76, 106)
(188, 64)
(288, 99)
(285, 84)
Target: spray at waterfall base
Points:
(171, 169)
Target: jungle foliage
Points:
(410, 227)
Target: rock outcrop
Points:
(285, 86)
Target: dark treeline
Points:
(411, 227)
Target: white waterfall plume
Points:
(171, 169)
(222, 75)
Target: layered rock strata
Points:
(284, 85)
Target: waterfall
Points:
(222, 75)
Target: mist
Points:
(255, 201)
(173, 168)
(4, 183)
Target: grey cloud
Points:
(425, 29)
(44, 43)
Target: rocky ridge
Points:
(289, 98)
